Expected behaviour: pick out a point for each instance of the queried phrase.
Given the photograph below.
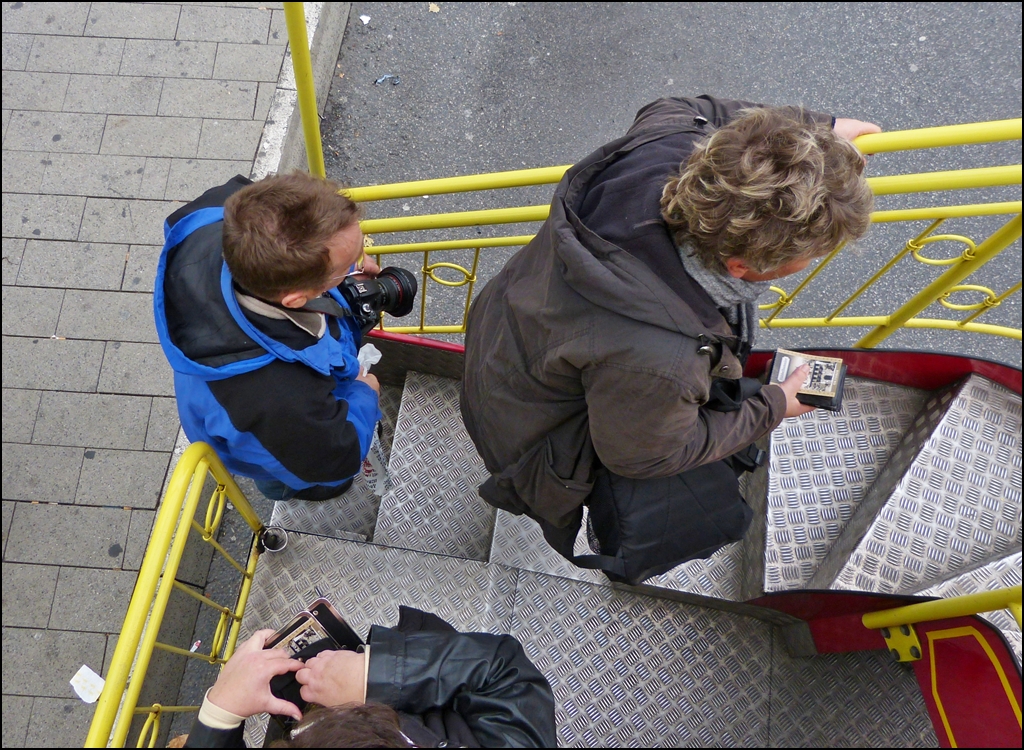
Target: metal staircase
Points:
(856, 500)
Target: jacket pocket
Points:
(532, 486)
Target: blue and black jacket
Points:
(275, 402)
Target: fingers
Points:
(284, 708)
(287, 665)
(370, 266)
(256, 641)
(794, 381)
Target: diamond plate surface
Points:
(519, 543)
(821, 467)
(637, 671)
(957, 504)
(367, 584)
(997, 574)
(354, 514)
(434, 471)
(862, 699)
(390, 401)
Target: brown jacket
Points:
(578, 353)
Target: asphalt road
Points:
(495, 86)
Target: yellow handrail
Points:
(941, 609)
(944, 135)
(959, 179)
(987, 250)
(117, 702)
(488, 181)
(456, 219)
(298, 41)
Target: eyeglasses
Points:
(356, 267)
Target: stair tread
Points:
(519, 543)
(1002, 573)
(821, 466)
(627, 669)
(354, 514)
(434, 471)
(955, 499)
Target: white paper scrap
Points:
(87, 684)
(368, 356)
(364, 19)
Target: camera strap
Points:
(327, 306)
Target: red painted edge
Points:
(405, 338)
(928, 370)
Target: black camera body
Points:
(392, 291)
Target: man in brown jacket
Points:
(603, 363)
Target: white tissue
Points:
(368, 356)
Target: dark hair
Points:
(348, 725)
(276, 233)
(769, 188)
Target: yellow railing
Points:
(941, 609)
(897, 627)
(882, 325)
(117, 705)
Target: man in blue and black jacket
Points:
(262, 344)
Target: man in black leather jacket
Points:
(449, 688)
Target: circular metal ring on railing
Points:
(215, 511)
(990, 297)
(468, 275)
(781, 302)
(220, 635)
(917, 245)
(151, 727)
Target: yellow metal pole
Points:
(940, 609)
(947, 135)
(864, 321)
(488, 181)
(295, 17)
(457, 219)
(946, 212)
(958, 179)
(909, 247)
(985, 252)
(417, 247)
(142, 598)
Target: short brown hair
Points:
(348, 725)
(769, 188)
(276, 232)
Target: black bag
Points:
(645, 527)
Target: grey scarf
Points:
(736, 298)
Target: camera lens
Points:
(398, 287)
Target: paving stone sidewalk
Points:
(113, 114)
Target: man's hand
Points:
(790, 386)
(243, 687)
(370, 266)
(850, 129)
(370, 379)
(332, 678)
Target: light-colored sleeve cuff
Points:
(216, 717)
(366, 669)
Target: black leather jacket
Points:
(450, 689)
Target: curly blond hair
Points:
(769, 188)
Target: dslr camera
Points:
(392, 291)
